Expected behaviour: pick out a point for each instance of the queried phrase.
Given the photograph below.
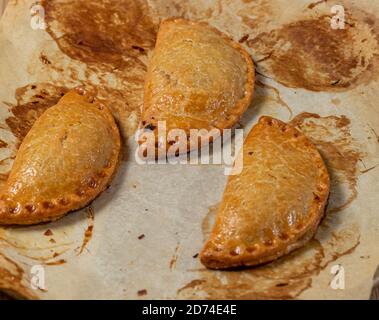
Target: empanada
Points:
(67, 158)
(198, 78)
(275, 204)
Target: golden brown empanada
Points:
(275, 204)
(67, 158)
(198, 78)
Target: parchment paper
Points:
(141, 237)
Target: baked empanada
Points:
(197, 78)
(67, 158)
(275, 204)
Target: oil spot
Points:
(31, 101)
(89, 230)
(336, 101)
(310, 54)
(332, 137)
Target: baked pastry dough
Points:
(275, 204)
(67, 158)
(197, 78)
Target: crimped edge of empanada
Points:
(216, 257)
(16, 213)
(240, 107)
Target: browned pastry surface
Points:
(275, 204)
(67, 158)
(197, 78)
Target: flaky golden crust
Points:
(68, 158)
(275, 204)
(198, 78)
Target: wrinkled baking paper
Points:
(141, 238)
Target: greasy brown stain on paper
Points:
(31, 101)
(256, 13)
(47, 246)
(11, 278)
(289, 276)
(192, 284)
(285, 278)
(333, 139)
(191, 10)
(109, 33)
(56, 262)
(315, 4)
(174, 257)
(112, 40)
(273, 94)
(35, 247)
(3, 144)
(310, 54)
(89, 230)
(336, 101)
(44, 59)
